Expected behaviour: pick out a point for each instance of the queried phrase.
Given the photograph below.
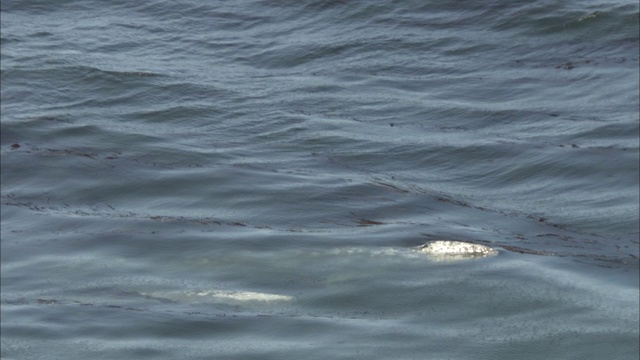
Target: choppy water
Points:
(248, 179)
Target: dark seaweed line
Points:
(55, 302)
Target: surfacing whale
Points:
(447, 250)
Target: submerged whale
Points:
(438, 251)
(248, 299)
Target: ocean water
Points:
(250, 179)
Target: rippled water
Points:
(249, 179)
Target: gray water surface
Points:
(250, 179)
